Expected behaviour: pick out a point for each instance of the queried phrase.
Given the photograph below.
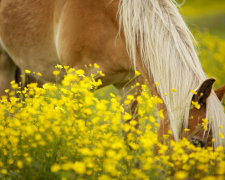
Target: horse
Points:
(122, 37)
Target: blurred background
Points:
(206, 19)
(206, 15)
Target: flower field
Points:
(63, 131)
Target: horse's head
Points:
(198, 125)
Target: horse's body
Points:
(72, 33)
(38, 34)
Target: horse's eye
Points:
(198, 142)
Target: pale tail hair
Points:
(155, 30)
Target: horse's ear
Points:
(204, 91)
(220, 92)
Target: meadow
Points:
(67, 130)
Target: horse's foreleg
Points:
(7, 71)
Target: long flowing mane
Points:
(155, 30)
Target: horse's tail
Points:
(155, 31)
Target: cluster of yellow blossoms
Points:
(63, 131)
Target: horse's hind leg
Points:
(7, 71)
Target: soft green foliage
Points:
(205, 15)
(212, 56)
(202, 8)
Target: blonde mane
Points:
(165, 45)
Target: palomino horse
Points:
(121, 36)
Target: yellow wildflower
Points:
(180, 175)
(96, 66)
(4, 171)
(160, 113)
(19, 164)
(127, 116)
(39, 74)
(221, 135)
(137, 73)
(79, 167)
(56, 73)
(55, 168)
(174, 90)
(27, 71)
(196, 105)
(194, 92)
(59, 66)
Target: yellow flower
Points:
(112, 95)
(174, 90)
(101, 73)
(137, 73)
(10, 161)
(80, 72)
(55, 168)
(4, 171)
(152, 119)
(6, 90)
(127, 116)
(180, 175)
(156, 83)
(126, 127)
(19, 164)
(79, 167)
(205, 128)
(66, 67)
(27, 71)
(209, 178)
(133, 122)
(59, 66)
(160, 113)
(205, 121)
(101, 106)
(196, 105)
(56, 73)
(39, 74)
(130, 97)
(104, 177)
(221, 135)
(194, 92)
(37, 137)
(96, 66)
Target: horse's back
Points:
(40, 34)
